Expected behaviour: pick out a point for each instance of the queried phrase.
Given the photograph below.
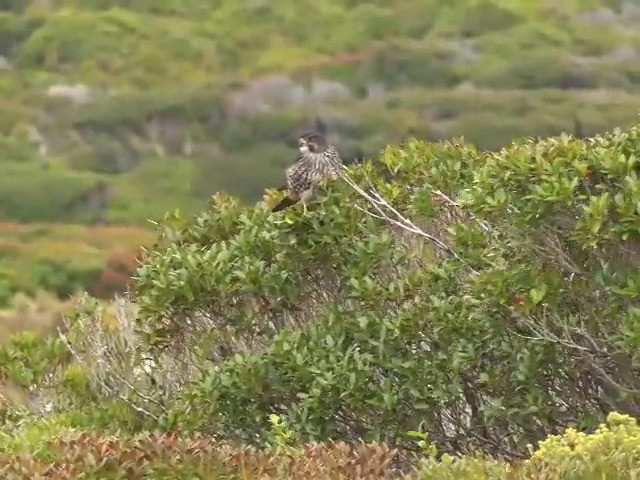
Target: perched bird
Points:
(317, 160)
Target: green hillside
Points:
(122, 110)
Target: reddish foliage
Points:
(124, 259)
(90, 454)
(116, 276)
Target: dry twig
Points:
(385, 211)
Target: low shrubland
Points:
(610, 452)
(63, 260)
(468, 314)
(205, 96)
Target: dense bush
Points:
(397, 65)
(25, 357)
(349, 328)
(342, 324)
(62, 278)
(247, 155)
(610, 452)
(48, 445)
(486, 16)
(29, 192)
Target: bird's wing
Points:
(295, 170)
(285, 185)
(295, 177)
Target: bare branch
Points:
(453, 203)
(387, 212)
(104, 385)
(593, 353)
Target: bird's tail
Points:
(269, 196)
(284, 203)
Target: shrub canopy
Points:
(522, 322)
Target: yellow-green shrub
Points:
(611, 452)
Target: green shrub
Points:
(29, 192)
(132, 110)
(18, 151)
(486, 16)
(26, 357)
(133, 54)
(65, 38)
(33, 444)
(11, 31)
(525, 36)
(541, 68)
(398, 64)
(594, 40)
(11, 5)
(62, 277)
(272, 127)
(152, 189)
(350, 329)
(244, 174)
(610, 452)
(485, 326)
(9, 286)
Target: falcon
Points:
(316, 161)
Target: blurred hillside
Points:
(119, 110)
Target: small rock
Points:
(325, 91)
(600, 17)
(376, 91)
(78, 93)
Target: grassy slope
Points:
(62, 258)
(487, 70)
(175, 58)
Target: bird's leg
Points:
(305, 197)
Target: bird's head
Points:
(312, 143)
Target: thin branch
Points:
(453, 203)
(589, 354)
(380, 204)
(137, 408)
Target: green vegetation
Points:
(607, 453)
(494, 336)
(159, 105)
(66, 259)
(504, 316)
(118, 112)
